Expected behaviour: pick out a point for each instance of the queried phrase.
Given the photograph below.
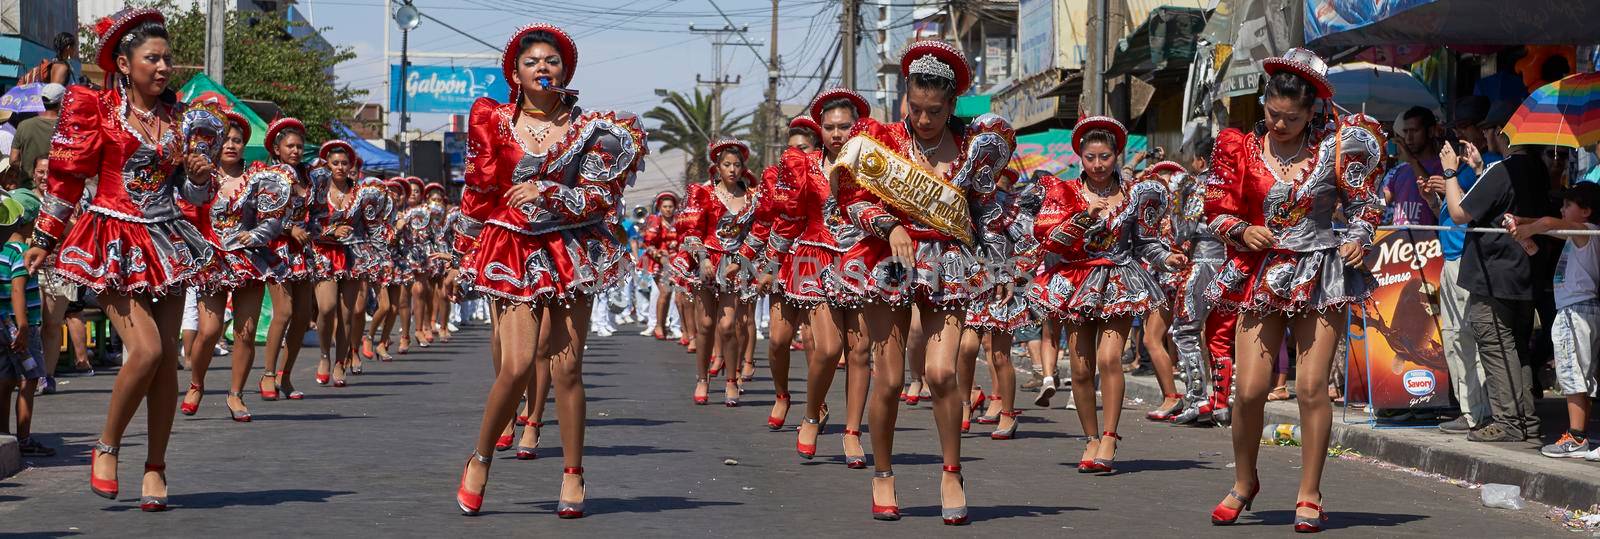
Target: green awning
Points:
(970, 106)
(1164, 41)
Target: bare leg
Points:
(916, 353)
(886, 330)
(780, 334)
(1004, 376)
(1113, 335)
(282, 312)
(858, 377)
(827, 323)
(200, 348)
(728, 344)
(705, 328)
(1156, 340)
(150, 336)
(405, 316)
(1049, 353)
(327, 324)
(569, 327)
(539, 385)
(518, 329)
(1255, 351)
(966, 370)
(1316, 336)
(943, 331)
(304, 298)
(663, 305)
(352, 319)
(1081, 345)
(246, 311)
(55, 312)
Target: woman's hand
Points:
(707, 270)
(1177, 260)
(1098, 209)
(901, 246)
(523, 193)
(1352, 254)
(199, 169)
(343, 231)
(299, 234)
(764, 284)
(34, 258)
(1257, 238)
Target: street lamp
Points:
(407, 18)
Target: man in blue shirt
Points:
(1476, 130)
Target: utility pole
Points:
(1094, 72)
(774, 122)
(720, 80)
(216, 18)
(847, 47)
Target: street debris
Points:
(730, 462)
(1502, 496)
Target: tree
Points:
(263, 61)
(686, 123)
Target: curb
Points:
(1570, 483)
(10, 456)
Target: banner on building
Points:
(448, 89)
(1397, 355)
(1051, 152)
(1262, 29)
(1036, 36)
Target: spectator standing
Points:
(33, 134)
(22, 359)
(1574, 328)
(1498, 275)
(1460, 348)
(1419, 148)
(65, 69)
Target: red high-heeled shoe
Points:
(1309, 525)
(808, 451)
(1106, 466)
(1087, 465)
(701, 400)
(1223, 515)
(190, 409)
(471, 503)
(955, 516)
(267, 395)
(775, 422)
(884, 512)
(503, 442)
(154, 504)
(714, 370)
(104, 488)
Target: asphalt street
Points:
(382, 457)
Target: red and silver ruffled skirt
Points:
(296, 258)
(1289, 282)
(1080, 291)
(107, 253)
(946, 275)
(544, 268)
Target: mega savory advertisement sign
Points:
(1395, 348)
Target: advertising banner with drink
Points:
(1397, 351)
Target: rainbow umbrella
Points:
(1563, 113)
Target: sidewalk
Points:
(1570, 483)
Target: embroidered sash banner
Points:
(910, 188)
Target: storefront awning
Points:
(1341, 23)
(1164, 41)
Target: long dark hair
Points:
(62, 42)
(541, 36)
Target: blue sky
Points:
(625, 49)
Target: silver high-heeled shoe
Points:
(955, 516)
(566, 509)
(1007, 433)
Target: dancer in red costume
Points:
(339, 267)
(247, 213)
(541, 175)
(809, 245)
(1289, 270)
(393, 275)
(293, 300)
(713, 263)
(776, 211)
(990, 325)
(132, 247)
(1157, 323)
(1102, 226)
(927, 254)
(660, 242)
